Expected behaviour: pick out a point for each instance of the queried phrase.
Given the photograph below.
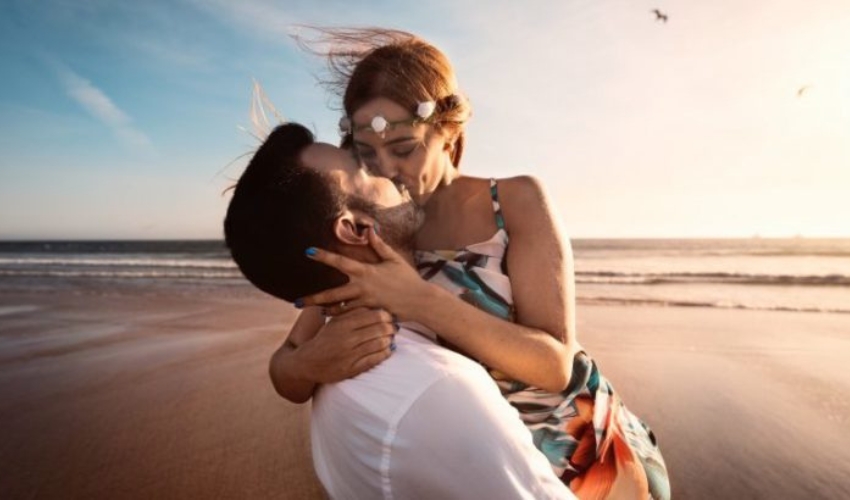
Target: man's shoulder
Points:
(415, 366)
(424, 423)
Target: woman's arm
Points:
(317, 352)
(287, 377)
(539, 348)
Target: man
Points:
(425, 422)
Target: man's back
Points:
(426, 423)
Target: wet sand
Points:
(152, 393)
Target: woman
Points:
(504, 294)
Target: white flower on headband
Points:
(344, 126)
(426, 109)
(379, 124)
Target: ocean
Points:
(800, 274)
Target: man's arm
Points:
(461, 439)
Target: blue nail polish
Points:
(311, 251)
(392, 347)
(299, 303)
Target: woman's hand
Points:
(347, 345)
(391, 284)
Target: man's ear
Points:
(352, 229)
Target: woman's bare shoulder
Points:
(522, 198)
(521, 186)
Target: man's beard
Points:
(397, 225)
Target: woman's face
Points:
(412, 155)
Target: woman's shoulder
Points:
(520, 199)
(526, 208)
(520, 186)
(522, 194)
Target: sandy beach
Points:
(157, 393)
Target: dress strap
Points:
(497, 207)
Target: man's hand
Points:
(349, 344)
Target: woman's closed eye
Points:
(403, 152)
(369, 157)
(399, 150)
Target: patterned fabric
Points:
(597, 447)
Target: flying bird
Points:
(802, 90)
(659, 16)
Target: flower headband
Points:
(380, 125)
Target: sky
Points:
(121, 120)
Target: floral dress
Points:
(597, 447)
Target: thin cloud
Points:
(272, 20)
(262, 17)
(173, 52)
(100, 106)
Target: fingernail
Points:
(311, 252)
(377, 228)
(299, 303)
(392, 346)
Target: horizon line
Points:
(572, 238)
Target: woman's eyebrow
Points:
(388, 143)
(399, 139)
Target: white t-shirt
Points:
(426, 423)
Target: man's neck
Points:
(408, 257)
(367, 254)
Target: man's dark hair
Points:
(279, 208)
